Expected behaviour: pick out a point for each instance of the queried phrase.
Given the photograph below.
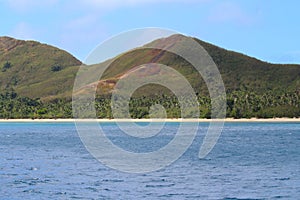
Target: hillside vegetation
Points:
(36, 70)
(239, 72)
(36, 81)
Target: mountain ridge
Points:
(238, 70)
(36, 81)
(58, 68)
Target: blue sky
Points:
(268, 30)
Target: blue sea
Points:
(250, 161)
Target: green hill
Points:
(238, 71)
(36, 70)
(30, 71)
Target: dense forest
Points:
(240, 104)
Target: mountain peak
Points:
(8, 43)
(166, 42)
(34, 65)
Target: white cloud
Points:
(289, 57)
(120, 3)
(232, 13)
(82, 22)
(27, 5)
(23, 31)
(81, 33)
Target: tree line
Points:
(240, 104)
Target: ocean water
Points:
(250, 161)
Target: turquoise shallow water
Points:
(250, 161)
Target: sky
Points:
(268, 30)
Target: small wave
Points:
(31, 181)
(281, 197)
(171, 195)
(113, 180)
(160, 185)
(32, 191)
(282, 179)
(91, 189)
(235, 198)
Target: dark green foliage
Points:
(246, 104)
(240, 104)
(6, 66)
(13, 106)
(56, 68)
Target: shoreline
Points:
(156, 120)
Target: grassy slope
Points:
(31, 75)
(30, 72)
(239, 72)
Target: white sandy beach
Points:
(155, 120)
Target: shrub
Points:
(56, 68)
(6, 66)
